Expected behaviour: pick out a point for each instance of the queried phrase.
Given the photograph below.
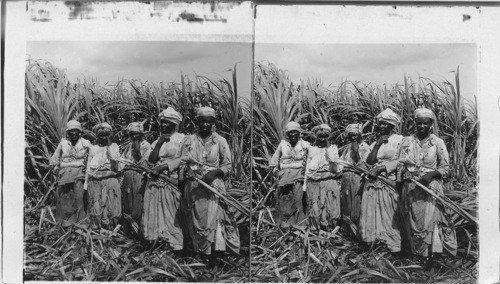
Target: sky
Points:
(153, 61)
(375, 63)
(161, 61)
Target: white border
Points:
(319, 24)
(412, 25)
(138, 26)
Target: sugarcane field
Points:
(115, 214)
(189, 181)
(323, 214)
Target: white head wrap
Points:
(205, 111)
(389, 116)
(356, 128)
(73, 124)
(102, 126)
(291, 126)
(135, 127)
(171, 115)
(322, 126)
(423, 112)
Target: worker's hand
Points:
(383, 139)
(354, 146)
(189, 174)
(376, 171)
(55, 170)
(209, 177)
(136, 145)
(163, 139)
(156, 171)
(428, 177)
(275, 172)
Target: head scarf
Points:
(205, 111)
(73, 124)
(423, 112)
(135, 127)
(291, 126)
(356, 128)
(389, 116)
(171, 115)
(322, 127)
(102, 127)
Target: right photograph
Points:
(365, 163)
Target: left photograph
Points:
(137, 161)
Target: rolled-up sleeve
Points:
(443, 159)
(332, 154)
(175, 162)
(225, 156)
(145, 150)
(275, 159)
(364, 150)
(55, 160)
(392, 164)
(113, 153)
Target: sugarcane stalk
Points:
(139, 168)
(447, 203)
(174, 182)
(216, 192)
(362, 172)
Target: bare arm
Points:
(55, 160)
(154, 157)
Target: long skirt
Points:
(350, 200)
(105, 200)
(211, 226)
(379, 219)
(428, 225)
(70, 207)
(290, 209)
(132, 186)
(323, 203)
(161, 218)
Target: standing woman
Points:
(425, 157)
(69, 165)
(207, 154)
(323, 190)
(162, 200)
(102, 178)
(379, 218)
(355, 153)
(133, 184)
(288, 164)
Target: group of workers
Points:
(374, 186)
(159, 185)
